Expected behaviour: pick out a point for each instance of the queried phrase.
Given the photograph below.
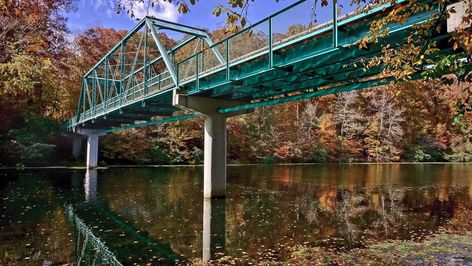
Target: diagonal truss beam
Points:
(163, 51)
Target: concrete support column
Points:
(214, 226)
(90, 185)
(92, 151)
(214, 156)
(215, 139)
(76, 147)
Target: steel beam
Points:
(168, 25)
(170, 66)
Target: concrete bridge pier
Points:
(92, 146)
(214, 172)
(214, 156)
(92, 151)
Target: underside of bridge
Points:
(291, 55)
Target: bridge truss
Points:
(291, 55)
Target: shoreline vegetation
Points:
(103, 167)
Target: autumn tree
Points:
(33, 67)
(32, 51)
(384, 130)
(351, 123)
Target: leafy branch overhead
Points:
(420, 50)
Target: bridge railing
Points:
(261, 39)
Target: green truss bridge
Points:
(300, 52)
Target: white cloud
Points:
(164, 10)
(107, 6)
(99, 4)
(109, 13)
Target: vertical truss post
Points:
(87, 91)
(335, 23)
(197, 81)
(122, 66)
(271, 49)
(105, 89)
(133, 89)
(94, 95)
(145, 67)
(177, 74)
(228, 74)
(203, 58)
(81, 100)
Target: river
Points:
(156, 215)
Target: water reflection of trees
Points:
(33, 227)
(272, 208)
(362, 216)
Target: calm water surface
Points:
(158, 215)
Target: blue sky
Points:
(103, 13)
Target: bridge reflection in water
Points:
(89, 249)
(96, 228)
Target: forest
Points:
(41, 65)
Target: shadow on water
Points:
(158, 215)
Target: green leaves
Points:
(183, 8)
(217, 10)
(445, 65)
(34, 140)
(20, 75)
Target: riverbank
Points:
(229, 165)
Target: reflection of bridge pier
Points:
(214, 223)
(90, 185)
